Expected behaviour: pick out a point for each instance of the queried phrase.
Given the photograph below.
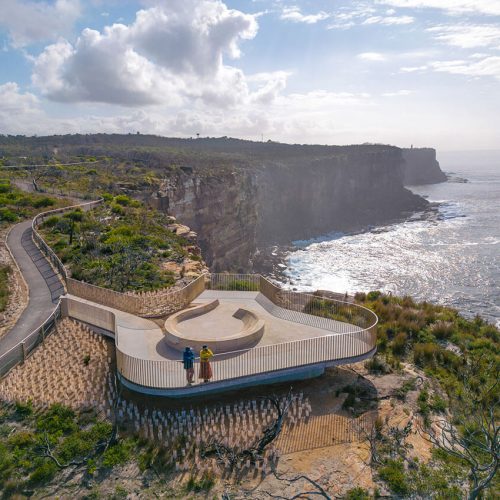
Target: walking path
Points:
(45, 287)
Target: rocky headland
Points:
(239, 196)
(420, 166)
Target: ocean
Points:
(449, 255)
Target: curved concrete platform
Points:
(268, 378)
(223, 327)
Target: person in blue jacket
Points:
(188, 361)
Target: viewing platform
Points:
(258, 332)
(289, 336)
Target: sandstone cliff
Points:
(421, 167)
(268, 201)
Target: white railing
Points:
(164, 374)
(147, 304)
(22, 350)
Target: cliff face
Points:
(300, 199)
(271, 202)
(221, 209)
(421, 167)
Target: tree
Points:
(74, 217)
(473, 434)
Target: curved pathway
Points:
(45, 287)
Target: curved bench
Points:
(248, 336)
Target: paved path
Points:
(45, 288)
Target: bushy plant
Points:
(399, 343)
(393, 473)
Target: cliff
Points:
(238, 195)
(265, 201)
(421, 167)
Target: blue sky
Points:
(422, 72)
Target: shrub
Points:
(57, 420)
(399, 343)
(374, 295)
(424, 354)
(377, 365)
(22, 439)
(23, 410)
(43, 473)
(490, 332)
(442, 330)
(7, 215)
(43, 202)
(118, 454)
(357, 494)
(123, 200)
(4, 286)
(205, 483)
(117, 209)
(393, 473)
(438, 404)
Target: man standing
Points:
(188, 360)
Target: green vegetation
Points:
(4, 286)
(205, 483)
(16, 205)
(461, 359)
(334, 310)
(236, 284)
(120, 244)
(35, 446)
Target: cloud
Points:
(389, 20)
(398, 93)
(28, 22)
(17, 110)
(489, 66)
(413, 69)
(485, 7)
(372, 56)
(467, 36)
(295, 15)
(170, 53)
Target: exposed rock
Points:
(234, 212)
(421, 167)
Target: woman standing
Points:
(205, 369)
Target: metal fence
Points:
(21, 351)
(315, 310)
(40, 242)
(234, 282)
(146, 304)
(164, 374)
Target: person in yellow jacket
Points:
(205, 369)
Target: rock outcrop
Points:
(421, 167)
(270, 201)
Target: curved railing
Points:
(146, 304)
(165, 374)
(354, 326)
(40, 242)
(21, 351)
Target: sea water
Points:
(448, 255)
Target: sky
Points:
(402, 72)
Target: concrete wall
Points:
(88, 313)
